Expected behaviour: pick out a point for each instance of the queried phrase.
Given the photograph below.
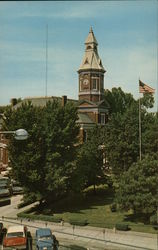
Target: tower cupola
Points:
(91, 71)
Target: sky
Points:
(126, 31)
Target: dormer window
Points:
(89, 47)
(86, 61)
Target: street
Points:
(82, 238)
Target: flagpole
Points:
(46, 59)
(143, 88)
(140, 132)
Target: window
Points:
(102, 118)
(80, 85)
(1, 154)
(89, 47)
(94, 83)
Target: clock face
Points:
(85, 81)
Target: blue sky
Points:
(126, 32)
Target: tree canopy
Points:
(138, 186)
(52, 163)
(122, 130)
(118, 100)
(90, 160)
(43, 163)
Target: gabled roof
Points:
(102, 103)
(86, 102)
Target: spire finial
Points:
(91, 30)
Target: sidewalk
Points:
(94, 237)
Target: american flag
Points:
(144, 88)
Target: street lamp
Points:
(19, 134)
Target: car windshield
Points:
(45, 237)
(15, 234)
(4, 190)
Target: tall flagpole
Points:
(46, 58)
(140, 132)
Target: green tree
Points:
(122, 140)
(122, 130)
(138, 186)
(90, 169)
(44, 163)
(118, 100)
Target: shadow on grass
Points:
(76, 203)
(137, 218)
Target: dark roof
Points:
(41, 101)
(84, 119)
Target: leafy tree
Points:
(44, 163)
(118, 100)
(122, 131)
(150, 133)
(2, 109)
(138, 186)
(147, 101)
(90, 169)
(122, 140)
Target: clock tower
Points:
(91, 72)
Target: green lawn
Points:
(93, 208)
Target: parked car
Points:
(5, 173)
(5, 201)
(5, 188)
(16, 237)
(46, 240)
(4, 180)
(4, 192)
(16, 189)
(1, 232)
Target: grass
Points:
(93, 208)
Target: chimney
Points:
(64, 100)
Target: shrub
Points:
(153, 221)
(122, 227)
(39, 217)
(27, 200)
(113, 207)
(78, 223)
(55, 219)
